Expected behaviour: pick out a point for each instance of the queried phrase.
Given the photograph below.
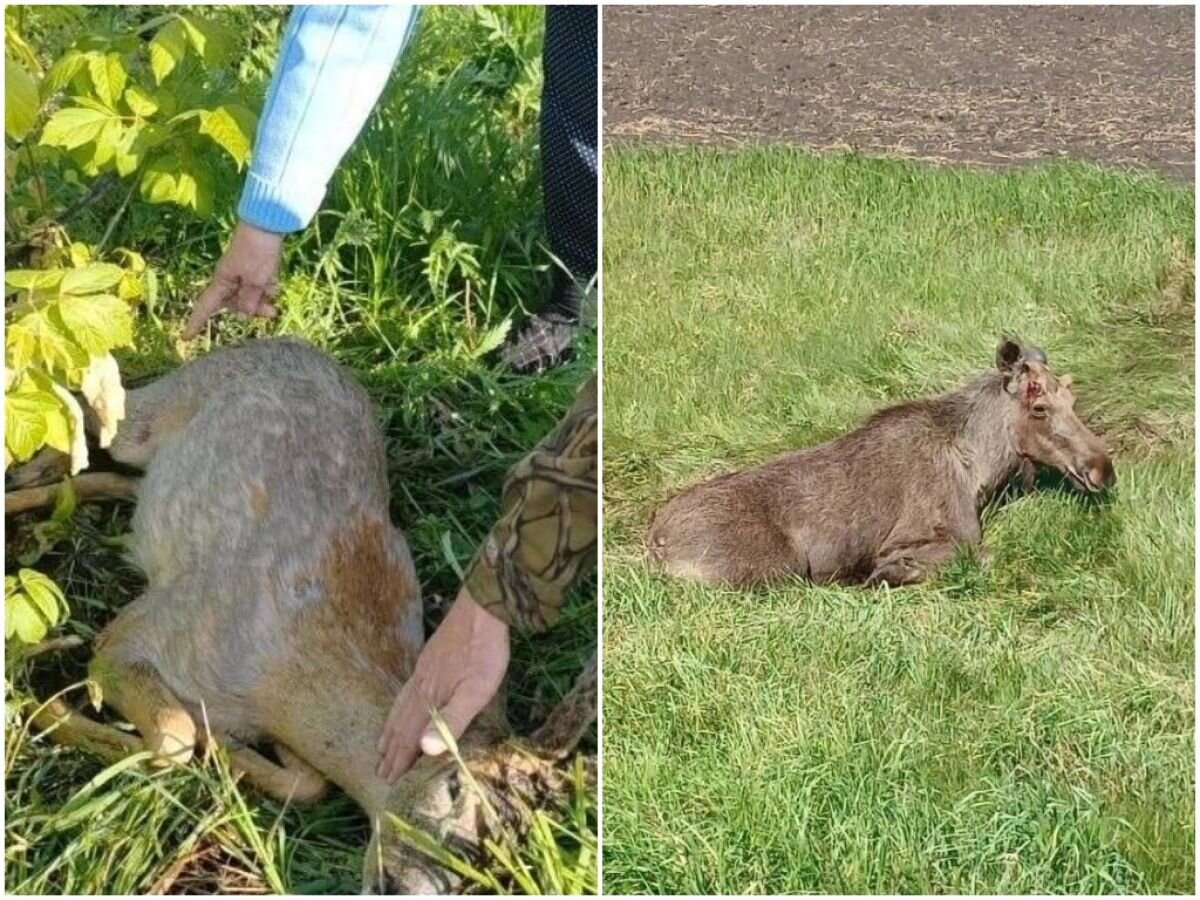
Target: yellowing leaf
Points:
(76, 445)
(66, 68)
(97, 323)
(58, 425)
(19, 47)
(80, 253)
(37, 339)
(167, 49)
(91, 279)
(134, 261)
(32, 605)
(108, 77)
(231, 128)
(130, 287)
(25, 422)
(33, 279)
(179, 180)
(73, 127)
(107, 142)
(101, 387)
(150, 284)
(21, 101)
(129, 150)
(139, 101)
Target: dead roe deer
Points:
(282, 607)
(889, 502)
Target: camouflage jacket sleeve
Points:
(546, 536)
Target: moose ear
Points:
(1031, 353)
(1065, 381)
(1008, 354)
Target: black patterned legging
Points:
(568, 132)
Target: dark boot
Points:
(569, 166)
(546, 338)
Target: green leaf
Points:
(167, 49)
(21, 101)
(160, 181)
(108, 77)
(63, 71)
(67, 500)
(129, 150)
(212, 41)
(91, 279)
(97, 323)
(73, 127)
(231, 128)
(139, 101)
(108, 142)
(179, 180)
(492, 339)
(168, 103)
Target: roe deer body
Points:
(282, 606)
(889, 502)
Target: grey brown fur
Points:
(282, 606)
(890, 501)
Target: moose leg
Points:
(910, 564)
(293, 782)
(137, 691)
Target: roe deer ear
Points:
(574, 714)
(1008, 354)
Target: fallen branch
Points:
(55, 645)
(90, 486)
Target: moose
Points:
(889, 502)
(282, 608)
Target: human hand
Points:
(244, 280)
(458, 672)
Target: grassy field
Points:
(428, 250)
(1020, 726)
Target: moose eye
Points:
(1040, 410)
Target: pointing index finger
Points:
(212, 299)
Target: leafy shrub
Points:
(143, 103)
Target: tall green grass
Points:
(428, 248)
(1023, 725)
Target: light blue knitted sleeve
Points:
(333, 64)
